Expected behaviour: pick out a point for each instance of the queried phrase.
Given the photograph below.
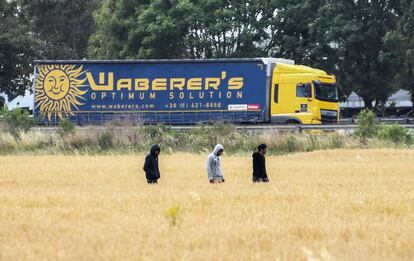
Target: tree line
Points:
(367, 44)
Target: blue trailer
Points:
(153, 91)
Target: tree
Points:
(16, 50)
(61, 28)
(134, 29)
(401, 41)
(2, 102)
(293, 31)
(159, 30)
(356, 31)
(17, 121)
(223, 28)
(181, 29)
(367, 127)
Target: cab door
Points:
(304, 103)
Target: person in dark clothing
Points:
(259, 164)
(152, 172)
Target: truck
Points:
(257, 90)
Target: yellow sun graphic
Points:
(58, 89)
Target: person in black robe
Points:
(259, 164)
(152, 172)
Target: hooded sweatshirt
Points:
(213, 164)
(151, 169)
(259, 166)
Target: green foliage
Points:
(205, 137)
(62, 28)
(200, 139)
(290, 144)
(367, 127)
(367, 44)
(182, 28)
(66, 127)
(17, 121)
(353, 35)
(106, 140)
(218, 28)
(295, 33)
(156, 133)
(16, 50)
(395, 133)
(347, 38)
(45, 29)
(337, 142)
(401, 42)
(159, 134)
(137, 29)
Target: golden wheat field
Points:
(327, 205)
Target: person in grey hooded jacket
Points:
(215, 175)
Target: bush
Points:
(156, 134)
(337, 141)
(80, 141)
(17, 121)
(291, 144)
(395, 133)
(367, 127)
(66, 127)
(106, 140)
(200, 139)
(203, 138)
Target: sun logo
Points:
(58, 89)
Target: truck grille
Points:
(329, 117)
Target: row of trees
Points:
(368, 44)
(41, 29)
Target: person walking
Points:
(152, 172)
(259, 164)
(215, 175)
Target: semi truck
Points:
(259, 90)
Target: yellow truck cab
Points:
(303, 95)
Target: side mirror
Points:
(310, 99)
(308, 90)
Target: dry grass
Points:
(329, 205)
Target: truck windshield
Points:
(326, 92)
